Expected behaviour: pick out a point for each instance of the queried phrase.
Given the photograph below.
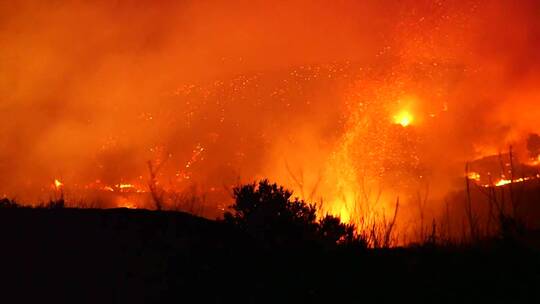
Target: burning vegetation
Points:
(369, 110)
(304, 151)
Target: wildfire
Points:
(121, 187)
(503, 181)
(403, 118)
(535, 161)
(58, 184)
(474, 176)
(128, 188)
(125, 203)
(108, 188)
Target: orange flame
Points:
(58, 184)
(403, 118)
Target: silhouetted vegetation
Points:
(56, 203)
(269, 248)
(503, 217)
(267, 212)
(7, 203)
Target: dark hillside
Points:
(139, 256)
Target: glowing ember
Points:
(474, 176)
(403, 118)
(504, 182)
(108, 188)
(58, 184)
(125, 203)
(123, 187)
(535, 161)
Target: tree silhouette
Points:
(268, 213)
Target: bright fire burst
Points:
(58, 184)
(403, 118)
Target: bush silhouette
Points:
(7, 203)
(268, 213)
(332, 230)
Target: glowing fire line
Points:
(501, 182)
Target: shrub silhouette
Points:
(56, 204)
(7, 203)
(332, 230)
(266, 212)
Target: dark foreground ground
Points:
(137, 256)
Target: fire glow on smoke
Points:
(350, 104)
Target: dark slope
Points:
(139, 256)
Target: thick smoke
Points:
(227, 91)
